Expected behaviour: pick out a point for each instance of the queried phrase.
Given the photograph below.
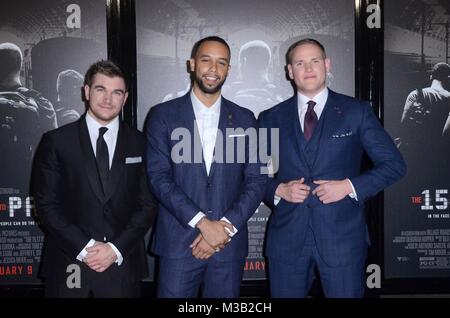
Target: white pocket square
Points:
(130, 160)
(347, 134)
(236, 135)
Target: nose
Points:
(213, 66)
(107, 97)
(308, 66)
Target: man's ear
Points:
(289, 71)
(328, 64)
(125, 98)
(86, 92)
(192, 65)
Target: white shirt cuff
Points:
(230, 234)
(83, 253)
(276, 200)
(119, 259)
(193, 223)
(352, 195)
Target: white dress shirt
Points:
(110, 137)
(302, 102)
(207, 120)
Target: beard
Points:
(208, 90)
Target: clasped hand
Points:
(100, 256)
(328, 191)
(212, 238)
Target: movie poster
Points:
(45, 48)
(259, 33)
(417, 108)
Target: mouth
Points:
(211, 79)
(309, 77)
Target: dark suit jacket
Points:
(73, 209)
(234, 190)
(346, 129)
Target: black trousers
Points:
(102, 285)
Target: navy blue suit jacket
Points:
(346, 129)
(234, 190)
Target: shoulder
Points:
(135, 139)
(63, 135)
(350, 103)
(65, 130)
(37, 96)
(243, 113)
(343, 99)
(278, 109)
(166, 114)
(170, 107)
(132, 135)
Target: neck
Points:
(206, 98)
(310, 94)
(10, 81)
(98, 120)
(437, 85)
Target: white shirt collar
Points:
(200, 108)
(302, 104)
(93, 125)
(110, 135)
(320, 100)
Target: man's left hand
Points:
(330, 191)
(201, 249)
(100, 257)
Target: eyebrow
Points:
(116, 90)
(220, 58)
(302, 60)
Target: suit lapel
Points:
(225, 120)
(295, 124)
(327, 123)
(188, 120)
(294, 135)
(118, 163)
(90, 164)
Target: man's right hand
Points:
(214, 232)
(294, 191)
(100, 257)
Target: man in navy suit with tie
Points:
(202, 167)
(318, 190)
(92, 196)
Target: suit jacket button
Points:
(209, 212)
